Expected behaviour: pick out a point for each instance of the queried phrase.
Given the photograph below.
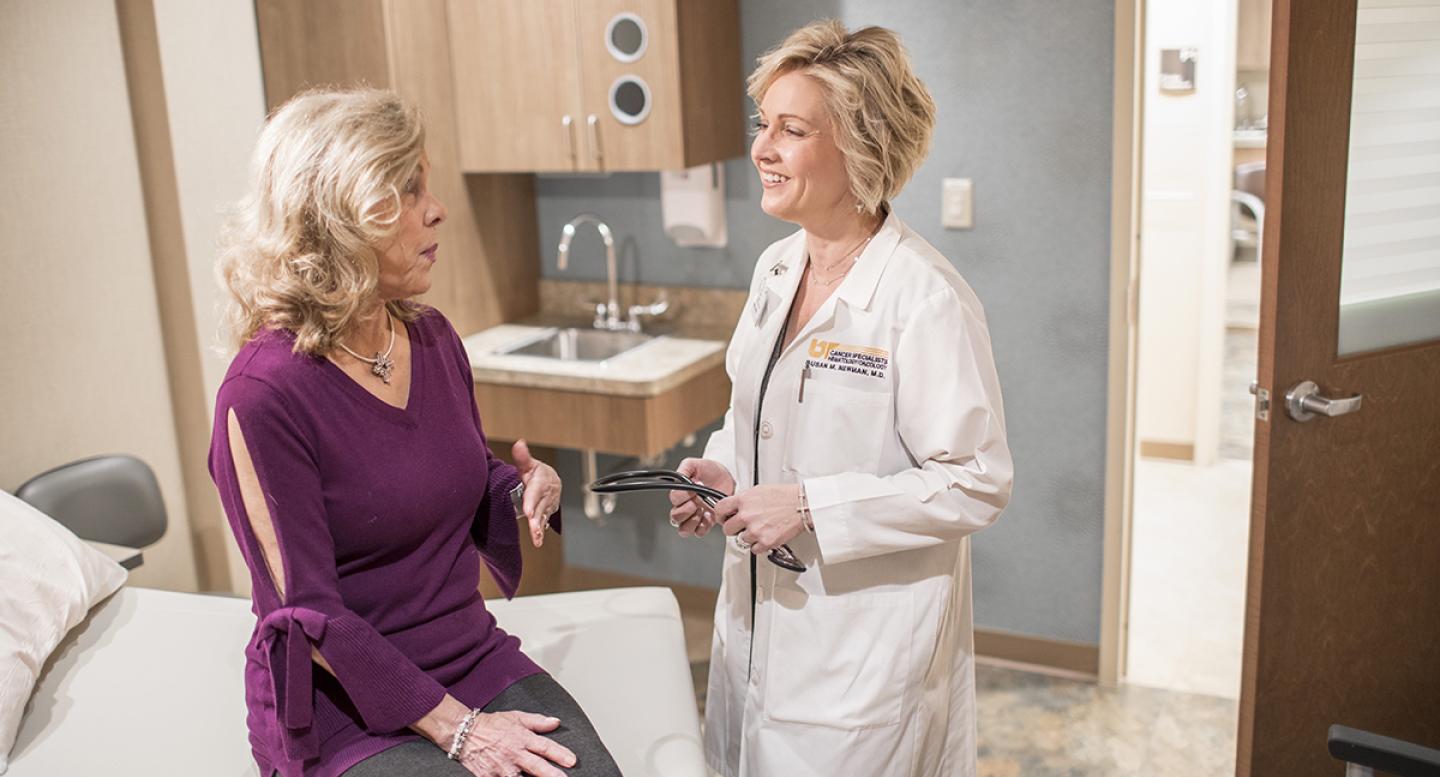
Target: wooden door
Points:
(655, 142)
(516, 82)
(1343, 603)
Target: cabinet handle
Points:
(594, 122)
(569, 125)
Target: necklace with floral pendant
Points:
(382, 365)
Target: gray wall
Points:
(1024, 95)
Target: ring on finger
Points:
(742, 544)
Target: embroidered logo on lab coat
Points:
(856, 359)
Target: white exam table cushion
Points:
(153, 683)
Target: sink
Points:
(572, 344)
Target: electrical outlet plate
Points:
(957, 204)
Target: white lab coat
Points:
(862, 665)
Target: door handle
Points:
(1304, 402)
(569, 125)
(593, 122)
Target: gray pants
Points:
(539, 694)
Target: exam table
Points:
(151, 683)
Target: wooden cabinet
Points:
(537, 88)
(486, 273)
(640, 426)
(1252, 35)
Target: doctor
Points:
(865, 430)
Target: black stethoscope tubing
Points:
(670, 480)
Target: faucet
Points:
(607, 314)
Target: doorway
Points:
(1203, 116)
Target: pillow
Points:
(49, 580)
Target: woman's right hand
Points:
(505, 744)
(688, 514)
(500, 744)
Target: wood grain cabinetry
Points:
(1252, 35)
(631, 426)
(486, 273)
(535, 84)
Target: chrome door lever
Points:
(1303, 402)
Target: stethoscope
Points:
(670, 480)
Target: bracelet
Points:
(460, 733)
(806, 519)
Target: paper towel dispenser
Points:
(692, 205)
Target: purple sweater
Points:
(382, 517)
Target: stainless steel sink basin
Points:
(591, 345)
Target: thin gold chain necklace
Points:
(854, 255)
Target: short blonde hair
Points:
(301, 251)
(883, 115)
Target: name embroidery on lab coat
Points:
(856, 359)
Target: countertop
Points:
(1250, 138)
(673, 357)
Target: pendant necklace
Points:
(382, 365)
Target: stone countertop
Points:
(675, 355)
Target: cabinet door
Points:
(1252, 39)
(516, 80)
(646, 133)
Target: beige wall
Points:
(80, 339)
(1184, 229)
(206, 63)
(216, 103)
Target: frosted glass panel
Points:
(1390, 275)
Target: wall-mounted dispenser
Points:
(692, 205)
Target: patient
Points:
(350, 458)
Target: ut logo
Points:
(820, 349)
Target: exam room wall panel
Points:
(83, 360)
(1024, 93)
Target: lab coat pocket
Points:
(839, 661)
(836, 428)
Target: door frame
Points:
(1125, 177)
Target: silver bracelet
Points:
(807, 520)
(460, 733)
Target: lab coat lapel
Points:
(858, 288)
(782, 282)
(769, 307)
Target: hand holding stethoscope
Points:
(700, 495)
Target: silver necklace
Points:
(382, 365)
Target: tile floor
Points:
(1034, 725)
(1190, 544)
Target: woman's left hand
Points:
(542, 490)
(763, 516)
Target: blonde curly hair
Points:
(301, 251)
(882, 114)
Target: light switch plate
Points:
(957, 204)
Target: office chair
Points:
(113, 499)
(1365, 754)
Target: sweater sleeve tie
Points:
(286, 637)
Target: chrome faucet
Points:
(607, 314)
